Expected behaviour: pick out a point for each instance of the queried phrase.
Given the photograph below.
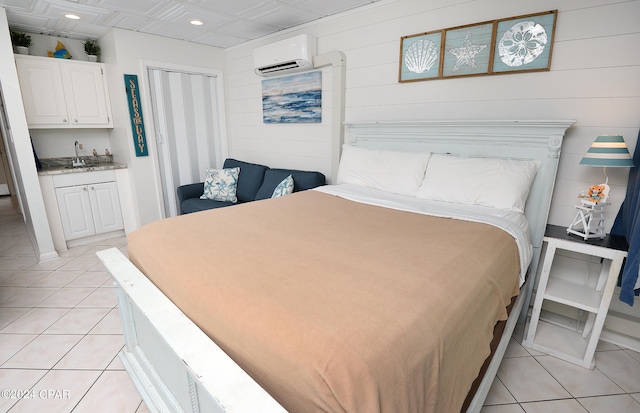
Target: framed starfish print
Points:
(468, 50)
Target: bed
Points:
(304, 317)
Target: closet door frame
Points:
(220, 131)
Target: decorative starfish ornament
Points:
(466, 54)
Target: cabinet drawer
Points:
(83, 178)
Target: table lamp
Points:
(607, 151)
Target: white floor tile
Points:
(110, 324)
(59, 391)
(10, 344)
(620, 367)
(35, 321)
(116, 364)
(580, 382)
(58, 279)
(92, 352)
(514, 349)
(28, 297)
(554, 406)
(78, 321)
(505, 408)
(25, 278)
(8, 315)
(498, 394)
(100, 298)
(113, 392)
(81, 264)
(43, 352)
(143, 408)
(16, 382)
(527, 381)
(622, 403)
(90, 279)
(66, 297)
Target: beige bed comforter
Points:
(337, 306)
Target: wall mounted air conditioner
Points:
(285, 56)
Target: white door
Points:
(185, 114)
(75, 212)
(105, 207)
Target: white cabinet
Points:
(60, 93)
(89, 208)
(578, 343)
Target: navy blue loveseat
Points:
(255, 182)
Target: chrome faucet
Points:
(77, 161)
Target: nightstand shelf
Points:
(573, 345)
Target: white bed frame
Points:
(177, 368)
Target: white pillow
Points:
(390, 171)
(496, 183)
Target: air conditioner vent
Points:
(286, 56)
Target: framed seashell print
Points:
(420, 56)
(524, 43)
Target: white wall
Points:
(20, 150)
(594, 79)
(126, 52)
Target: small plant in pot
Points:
(92, 48)
(21, 41)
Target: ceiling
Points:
(226, 23)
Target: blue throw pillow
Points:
(284, 188)
(221, 184)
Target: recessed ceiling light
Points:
(196, 22)
(72, 16)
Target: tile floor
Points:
(60, 335)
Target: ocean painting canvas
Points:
(293, 99)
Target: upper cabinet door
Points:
(42, 92)
(60, 93)
(85, 90)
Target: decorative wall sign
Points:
(293, 99)
(135, 113)
(420, 56)
(514, 44)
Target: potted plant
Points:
(21, 41)
(92, 48)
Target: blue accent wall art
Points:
(293, 99)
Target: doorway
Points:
(185, 113)
(7, 186)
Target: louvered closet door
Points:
(187, 129)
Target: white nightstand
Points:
(574, 346)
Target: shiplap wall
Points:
(594, 79)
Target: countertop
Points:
(56, 166)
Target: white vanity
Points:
(84, 204)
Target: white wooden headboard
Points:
(512, 139)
